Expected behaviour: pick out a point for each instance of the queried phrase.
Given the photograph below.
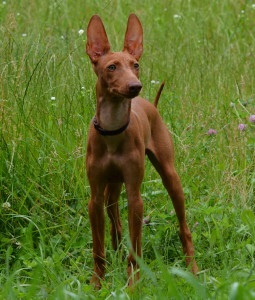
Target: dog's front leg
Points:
(97, 221)
(135, 217)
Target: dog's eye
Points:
(136, 66)
(111, 67)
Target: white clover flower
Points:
(154, 81)
(24, 34)
(176, 16)
(53, 98)
(18, 244)
(6, 205)
(80, 32)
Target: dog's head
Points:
(118, 72)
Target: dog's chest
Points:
(113, 166)
(112, 149)
(115, 157)
(115, 146)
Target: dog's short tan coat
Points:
(125, 128)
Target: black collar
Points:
(109, 132)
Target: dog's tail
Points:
(158, 94)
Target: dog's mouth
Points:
(127, 93)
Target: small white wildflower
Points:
(62, 37)
(53, 98)
(80, 32)
(4, 2)
(154, 82)
(253, 6)
(24, 34)
(6, 205)
(242, 11)
(18, 14)
(60, 122)
(177, 16)
(18, 244)
(83, 87)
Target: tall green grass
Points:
(204, 50)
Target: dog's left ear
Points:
(133, 42)
(97, 40)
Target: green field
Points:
(204, 50)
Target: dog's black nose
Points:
(134, 88)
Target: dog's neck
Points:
(112, 113)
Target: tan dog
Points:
(124, 129)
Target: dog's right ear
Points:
(133, 42)
(97, 41)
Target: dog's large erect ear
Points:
(97, 41)
(133, 42)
